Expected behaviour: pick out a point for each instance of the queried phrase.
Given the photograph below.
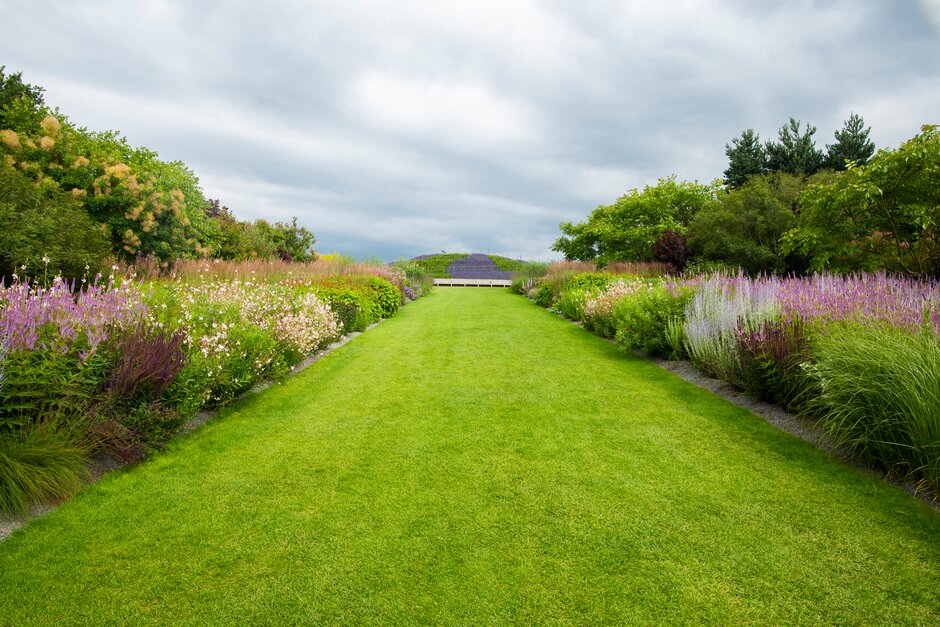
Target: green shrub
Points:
(385, 294)
(259, 357)
(879, 396)
(38, 463)
(356, 310)
(588, 281)
(525, 280)
(420, 280)
(48, 384)
(550, 290)
(544, 295)
(649, 320)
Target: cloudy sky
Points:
(392, 129)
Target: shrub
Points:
(386, 295)
(355, 310)
(544, 295)
(38, 463)
(745, 226)
(672, 247)
(647, 319)
(598, 309)
(571, 302)
(552, 288)
(419, 280)
(879, 396)
(45, 225)
(526, 280)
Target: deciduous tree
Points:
(627, 229)
(885, 214)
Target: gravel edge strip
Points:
(99, 467)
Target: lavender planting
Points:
(476, 266)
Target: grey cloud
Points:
(394, 129)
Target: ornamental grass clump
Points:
(879, 396)
(38, 463)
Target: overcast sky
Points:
(392, 129)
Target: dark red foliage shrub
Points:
(672, 247)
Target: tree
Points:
(627, 229)
(746, 158)
(21, 104)
(881, 215)
(744, 227)
(852, 144)
(795, 151)
(46, 230)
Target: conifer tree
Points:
(746, 158)
(795, 151)
(852, 144)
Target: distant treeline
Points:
(783, 206)
(71, 197)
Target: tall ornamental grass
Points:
(879, 396)
(38, 463)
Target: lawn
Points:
(476, 459)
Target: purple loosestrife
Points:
(903, 302)
(55, 318)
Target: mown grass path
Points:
(478, 460)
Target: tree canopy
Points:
(140, 204)
(627, 229)
(884, 214)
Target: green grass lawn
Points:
(478, 460)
